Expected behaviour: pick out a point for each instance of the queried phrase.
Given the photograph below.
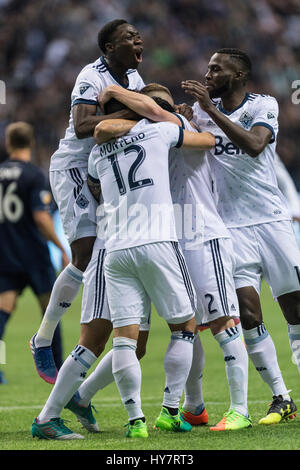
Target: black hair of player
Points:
(105, 34)
(163, 104)
(241, 57)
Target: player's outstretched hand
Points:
(198, 91)
(185, 109)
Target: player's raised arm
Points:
(251, 141)
(85, 118)
(198, 140)
(138, 102)
(111, 129)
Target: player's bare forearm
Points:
(198, 140)
(85, 119)
(112, 129)
(252, 142)
(141, 104)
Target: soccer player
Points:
(160, 275)
(25, 227)
(252, 207)
(210, 261)
(122, 49)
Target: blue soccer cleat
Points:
(44, 362)
(84, 414)
(3, 380)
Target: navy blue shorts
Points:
(40, 280)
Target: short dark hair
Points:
(105, 34)
(163, 104)
(19, 135)
(240, 56)
(113, 106)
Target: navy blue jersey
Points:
(23, 190)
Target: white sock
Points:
(294, 338)
(127, 374)
(193, 396)
(64, 291)
(236, 366)
(262, 353)
(177, 365)
(98, 379)
(70, 376)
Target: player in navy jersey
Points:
(25, 227)
(253, 209)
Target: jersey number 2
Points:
(133, 183)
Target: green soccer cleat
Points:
(167, 422)
(138, 429)
(279, 410)
(232, 421)
(83, 414)
(53, 429)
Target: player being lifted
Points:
(143, 262)
(253, 208)
(122, 49)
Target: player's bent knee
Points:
(221, 324)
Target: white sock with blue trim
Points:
(193, 395)
(70, 376)
(294, 339)
(177, 364)
(128, 376)
(236, 366)
(65, 289)
(262, 353)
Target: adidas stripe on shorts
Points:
(211, 268)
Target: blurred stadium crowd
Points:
(44, 44)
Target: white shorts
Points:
(94, 299)
(211, 268)
(267, 250)
(153, 272)
(76, 205)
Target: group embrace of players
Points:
(217, 155)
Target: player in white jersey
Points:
(214, 252)
(122, 49)
(143, 261)
(252, 207)
(68, 380)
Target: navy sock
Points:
(4, 316)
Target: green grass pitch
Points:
(25, 394)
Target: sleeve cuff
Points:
(268, 126)
(82, 101)
(180, 138)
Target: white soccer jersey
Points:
(91, 81)
(192, 188)
(247, 189)
(134, 177)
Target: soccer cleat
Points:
(232, 421)
(44, 362)
(137, 429)
(195, 420)
(84, 414)
(3, 380)
(53, 429)
(279, 410)
(167, 422)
